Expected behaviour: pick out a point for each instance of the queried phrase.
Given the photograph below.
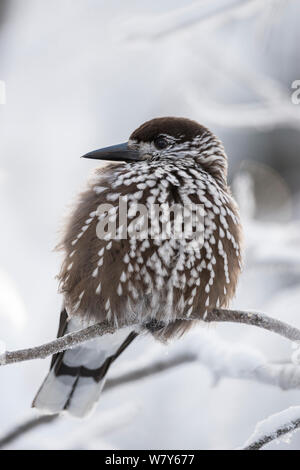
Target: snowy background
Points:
(81, 74)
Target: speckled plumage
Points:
(159, 284)
(148, 279)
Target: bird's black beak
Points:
(115, 153)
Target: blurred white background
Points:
(81, 74)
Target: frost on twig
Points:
(223, 359)
(255, 319)
(217, 315)
(253, 367)
(274, 427)
(60, 344)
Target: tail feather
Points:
(77, 376)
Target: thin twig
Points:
(269, 373)
(218, 315)
(281, 431)
(156, 368)
(284, 376)
(72, 339)
(26, 427)
(58, 345)
(255, 319)
(122, 379)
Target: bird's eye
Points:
(160, 143)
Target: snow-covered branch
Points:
(221, 358)
(255, 319)
(60, 344)
(218, 315)
(274, 427)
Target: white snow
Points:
(270, 425)
(12, 308)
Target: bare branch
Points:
(26, 427)
(218, 315)
(255, 319)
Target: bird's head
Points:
(170, 139)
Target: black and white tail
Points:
(77, 376)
